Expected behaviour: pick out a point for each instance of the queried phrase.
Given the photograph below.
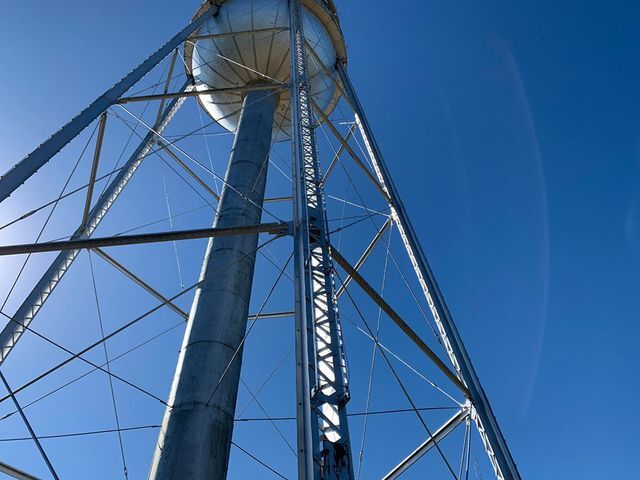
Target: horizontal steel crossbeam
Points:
(272, 228)
(270, 315)
(197, 93)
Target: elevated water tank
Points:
(247, 42)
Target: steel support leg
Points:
(16, 473)
(195, 439)
(19, 173)
(495, 443)
(324, 450)
(13, 330)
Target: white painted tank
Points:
(258, 51)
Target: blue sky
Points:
(512, 133)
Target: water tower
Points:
(269, 71)
(242, 54)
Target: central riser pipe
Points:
(195, 439)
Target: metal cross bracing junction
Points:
(272, 73)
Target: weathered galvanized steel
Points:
(196, 433)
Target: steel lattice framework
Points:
(323, 390)
(322, 275)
